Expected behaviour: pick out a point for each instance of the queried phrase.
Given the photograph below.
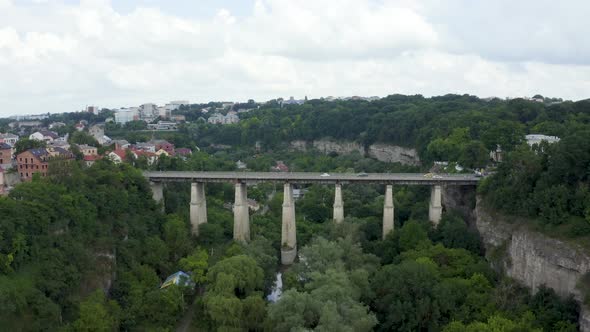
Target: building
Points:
(148, 112)
(97, 131)
(90, 160)
(162, 125)
(44, 135)
(30, 117)
(124, 115)
(56, 125)
(497, 155)
(161, 144)
(88, 150)
(32, 161)
(37, 161)
(151, 157)
(120, 144)
(9, 138)
(218, 118)
(117, 156)
(6, 155)
(25, 124)
(145, 146)
(293, 101)
(538, 138)
(92, 109)
(163, 112)
(178, 118)
(79, 126)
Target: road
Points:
(309, 177)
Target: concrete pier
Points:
(435, 208)
(338, 205)
(289, 231)
(388, 211)
(241, 216)
(158, 192)
(198, 206)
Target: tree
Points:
(176, 236)
(80, 137)
(25, 144)
(494, 324)
(405, 296)
(197, 264)
(98, 314)
(474, 155)
(249, 277)
(411, 235)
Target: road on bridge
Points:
(308, 177)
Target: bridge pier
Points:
(338, 205)
(435, 208)
(158, 192)
(288, 231)
(388, 211)
(198, 206)
(241, 217)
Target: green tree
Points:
(197, 264)
(25, 144)
(98, 314)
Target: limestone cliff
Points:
(533, 258)
(393, 153)
(380, 151)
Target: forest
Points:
(87, 249)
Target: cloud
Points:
(60, 57)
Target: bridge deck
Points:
(308, 178)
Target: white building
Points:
(148, 111)
(124, 115)
(164, 112)
(218, 118)
(175, 104)
(538, 138)
(44, 135)
(9, 138)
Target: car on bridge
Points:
(325, 174)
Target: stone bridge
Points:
(198, 204)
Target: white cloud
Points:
(57, 57)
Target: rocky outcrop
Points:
(532, 258)
(380, 151)
(394, 154)
(343, 147)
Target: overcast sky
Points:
(59, 56)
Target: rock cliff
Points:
(380, 151)
(532, 258)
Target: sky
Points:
(62, 55)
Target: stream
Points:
(277, 289)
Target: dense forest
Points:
(87, 248)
